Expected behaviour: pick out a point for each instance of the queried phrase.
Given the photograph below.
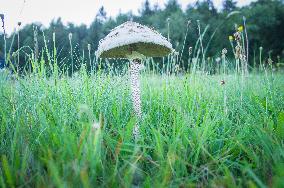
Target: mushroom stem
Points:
(135, 66)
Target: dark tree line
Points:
(264, 22)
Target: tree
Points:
(156, 7)
(206, 8)
(212, 7)
(172, 6)
(146, 9)
(264, 24)
(101, 15)
(95, 32)
(229, 5)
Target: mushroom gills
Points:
(147, 49)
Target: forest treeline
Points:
(263, 20)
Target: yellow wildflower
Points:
(231, 38)
(240, 28)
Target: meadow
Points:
(198, 130)
(206, 122)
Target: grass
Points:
(195, 131)
(215, 125)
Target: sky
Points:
(77, 12)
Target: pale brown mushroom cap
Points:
(133, 37)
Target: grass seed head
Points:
(237, 36)
(96, 125)
(188, 22)
(243, 57)
(176, 68)
(269, 61)
(190, 51)
(70, 36)
(238, 52)
(224, 52)
(218, 59)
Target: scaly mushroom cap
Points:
(133, 37)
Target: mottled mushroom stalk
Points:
(135, 67)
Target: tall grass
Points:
(186, 136)
(208, 126)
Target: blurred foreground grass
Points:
(195, 131)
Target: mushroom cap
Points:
(133, 37)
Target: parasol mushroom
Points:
(134, 42)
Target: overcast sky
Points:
(76, 11)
